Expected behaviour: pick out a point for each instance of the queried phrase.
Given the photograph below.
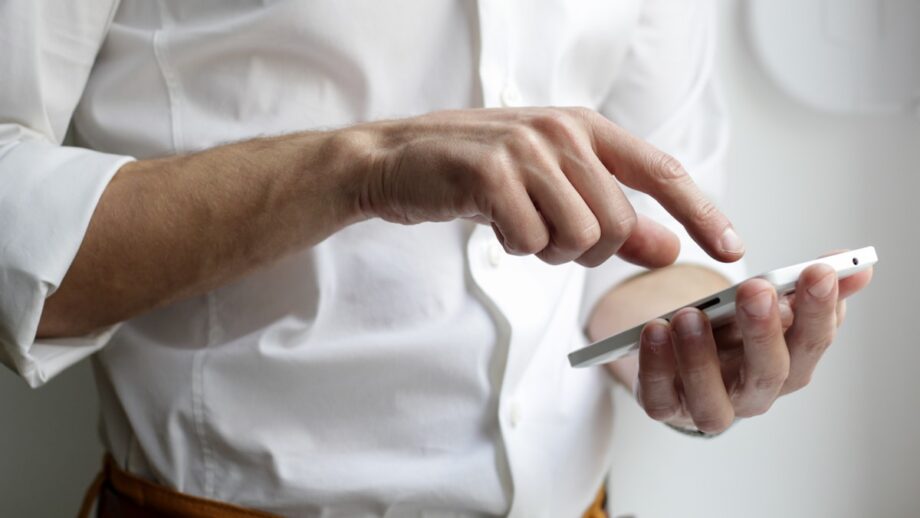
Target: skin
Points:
(704, 378)
(179, 226)
(176, 227)
(545, 179)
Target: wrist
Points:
(349, 159)
(360, 156)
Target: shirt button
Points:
(495, 254)
(515, 414)
(510, 96)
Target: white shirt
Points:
(390, 370)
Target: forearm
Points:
(644, 297)
(171, 228)
(175, 227)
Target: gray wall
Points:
(847, 446)
(49, 450)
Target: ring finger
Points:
(700, 373)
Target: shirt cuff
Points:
(48, 198)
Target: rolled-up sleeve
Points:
(667, 94)
(48, 192)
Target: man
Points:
(317, 281)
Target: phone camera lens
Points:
(855, 262)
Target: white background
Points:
(803, 183)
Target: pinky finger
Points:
(841, 312)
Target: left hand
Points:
(692, 375)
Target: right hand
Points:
(544, 178)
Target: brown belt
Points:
(120, 494)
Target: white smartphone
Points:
(720, 307)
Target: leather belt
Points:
(120, 494)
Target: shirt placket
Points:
(496, 63)
(488, 262)
(506, 283)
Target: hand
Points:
(692, 375)
(544, 178)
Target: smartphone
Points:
(720, 307)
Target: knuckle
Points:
(769, 381)
(492, 165)
(594, 259)
(524, 140)
(798, 384)
(551, 117)
(559, 125)
(816, 345)
(650, 378)
(615, 230)
(755, 410)
(715, 422)
(698, 373)
(704, 211)
(495, 188)
(623, 225)
(553, 255)
(666, 168)
(582, 239)
(583, 112)
(660, 412)
(527, 243)
(581, 236)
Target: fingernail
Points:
(824, 287)
(657, 334)
(689, 323)
(760, 305)
(731, 242)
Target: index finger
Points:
(643, 167)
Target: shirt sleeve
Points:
(48, 192)
(666, 94)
